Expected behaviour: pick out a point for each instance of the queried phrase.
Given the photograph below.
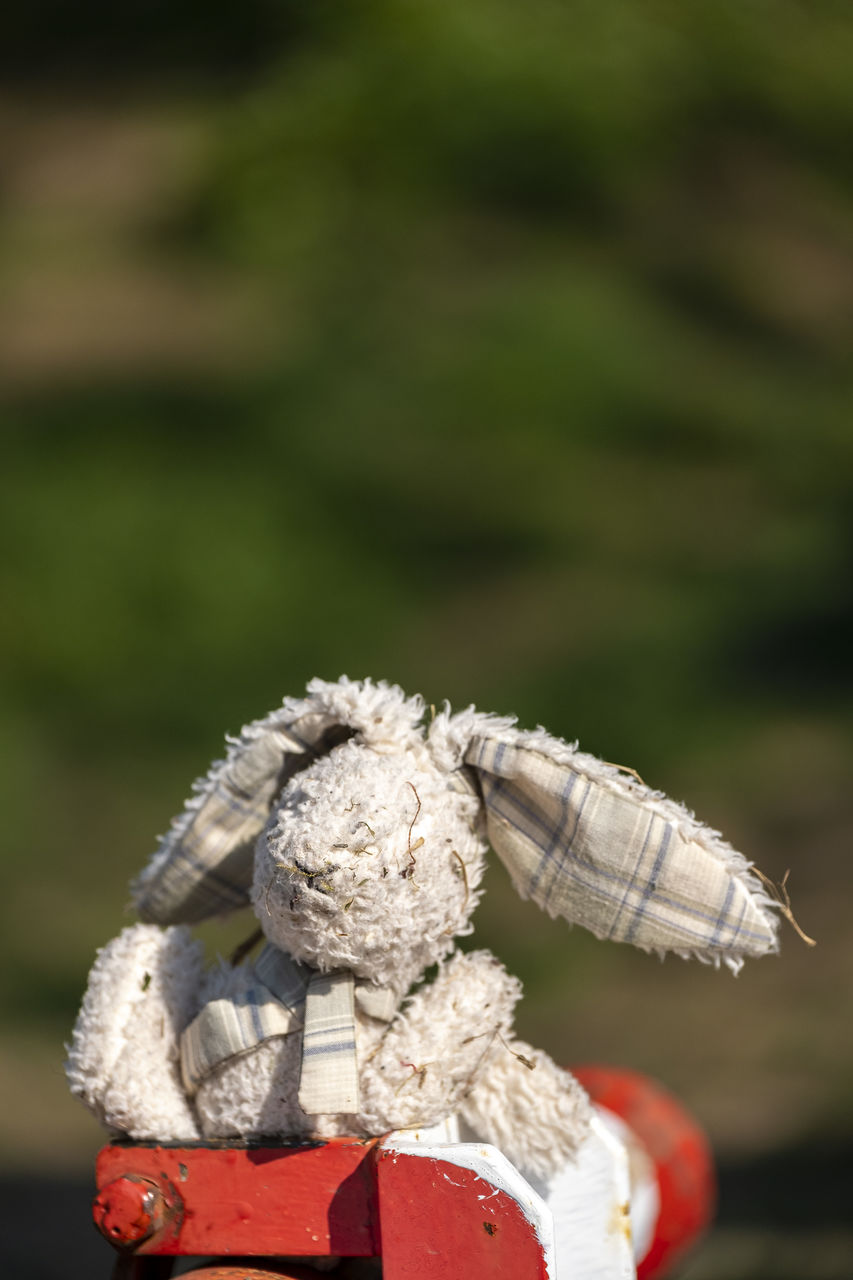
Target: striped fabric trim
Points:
(463, 781)
(329, 1079)
(285, 977)
(377, 1002)
(227, 1028)
(289, 996)
(614, 862)
(204, 864)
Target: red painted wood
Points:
(235, 1272)
(679, 1150)
(303, 1201)
(435, 1226)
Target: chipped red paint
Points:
(129, 1209)
(242, 1272)
(440, 1221)
(304, 1201)
(315, 1201)
(430, 1219)
(679, 1151)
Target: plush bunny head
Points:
(370, 862)
(360, 838)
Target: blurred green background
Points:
(501, 351)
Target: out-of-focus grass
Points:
(179, 583)
(502, 353)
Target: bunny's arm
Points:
(524, 1104)
(123, 1058)
(435, 1049)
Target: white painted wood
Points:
(584, 1216)
(645, 1193)
(590, 1202)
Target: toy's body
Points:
(360, 840)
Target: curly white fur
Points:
(144, 988)
(371, 861)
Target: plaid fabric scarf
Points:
(289, 997)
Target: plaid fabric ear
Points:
(203, 866)
(586, 843)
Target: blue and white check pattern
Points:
(328, 1083)
(204, 864)
(611, 859)
(288, 997)
(229, 1027)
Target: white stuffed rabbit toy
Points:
(359, 837)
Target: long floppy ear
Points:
(203, 865)
(589, 843)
